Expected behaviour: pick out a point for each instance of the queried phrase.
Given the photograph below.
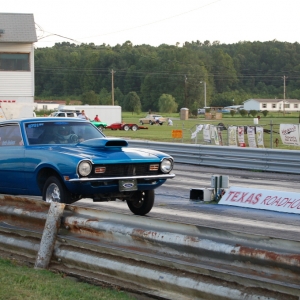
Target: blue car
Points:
(66, 159)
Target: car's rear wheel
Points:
(142, 122)
(134, 128)
(55, 191)
(142, 202)
(101, 127)
(150, 122)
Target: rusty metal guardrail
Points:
(261, 159)
(161, 258)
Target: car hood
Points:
(110, 151)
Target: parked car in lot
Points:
(66, 159)
(224, 111)
(151, 119)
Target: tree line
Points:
(168, 77)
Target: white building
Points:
(17, 38)
(272, 105)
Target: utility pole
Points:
(112, 87)
(284, 78)
(185, 97)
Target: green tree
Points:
(232, 112)
(265, 112)
(90, 98)
(119, 97)
(105, 97)
(167, 103)
(133, 103)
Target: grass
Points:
(164, 133)
(18, 282)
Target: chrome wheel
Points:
(52, 193)
(55, 191)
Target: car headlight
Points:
(84, 168)
(166, 165)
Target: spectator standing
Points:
(97, 119)
(83, 115)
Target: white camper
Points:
(107, 113)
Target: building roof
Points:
(17, 28)
(274, 100)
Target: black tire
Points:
(134, 127)
(142, 202)
(142, 122)
(150, 123)
(101, 128)
(126, 127)
(55, 191)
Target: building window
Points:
(264, 105)
(273, 105)
(295, 105)
(286, 105)
(14, 62)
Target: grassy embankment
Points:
(19, 282)
(164, 133)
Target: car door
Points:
(11, 158)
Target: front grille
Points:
(125, 170)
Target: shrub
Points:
(253, 113)
(265, 112)
(232, 112)
(243, 112)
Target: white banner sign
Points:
(289, 134)
(232, 135)
(260, 137)
(198, 128)
(262, 199)
(251, 136)
(206, 133)
(241, 137)
(215, 135)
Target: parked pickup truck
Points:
(70, 114)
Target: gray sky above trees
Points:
(157, 22)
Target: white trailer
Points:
(13, 110)
(107, 113)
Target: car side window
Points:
(10, 135)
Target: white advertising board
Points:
(262, 199)
(289, 134)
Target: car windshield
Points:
(60, 132)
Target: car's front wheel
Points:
(142, 202)
(55, 191)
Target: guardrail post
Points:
(271, 137)
(49, 235)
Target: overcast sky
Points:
(156, 22)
